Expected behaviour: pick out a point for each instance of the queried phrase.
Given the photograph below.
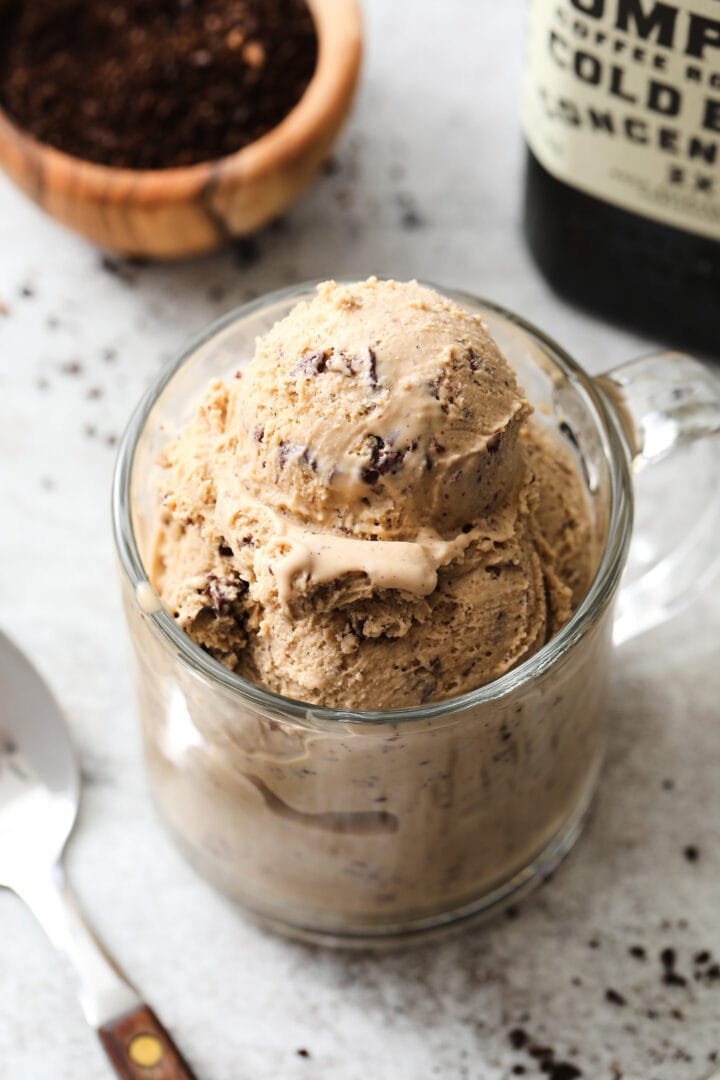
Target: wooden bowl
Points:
(170, 213)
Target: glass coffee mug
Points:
(360, 828)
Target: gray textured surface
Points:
(427, 184)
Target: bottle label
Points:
(622, 101)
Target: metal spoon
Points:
(39, 796)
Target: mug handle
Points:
(668, 405)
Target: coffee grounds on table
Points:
(150, 84)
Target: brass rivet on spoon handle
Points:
(139, 1046)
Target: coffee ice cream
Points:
(369, 516)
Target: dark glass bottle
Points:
(649, 276)
(622, 195)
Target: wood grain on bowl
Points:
(172, 213)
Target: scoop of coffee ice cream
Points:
(368, 517)
(380, 408)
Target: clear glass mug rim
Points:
(601, 590)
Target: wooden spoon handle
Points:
(140, 1048)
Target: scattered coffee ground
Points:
(331, 167)
(518, 1038)
(150, 84)
(670, 977)
(691, 853)
(544, 1055)
(71, 367)
(246, 251)
(615, 998)
(123, 267)
(562, 1070)
(410, 217)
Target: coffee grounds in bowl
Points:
(152, 84)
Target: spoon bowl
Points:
(39, 770)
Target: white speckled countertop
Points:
(427, 183)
